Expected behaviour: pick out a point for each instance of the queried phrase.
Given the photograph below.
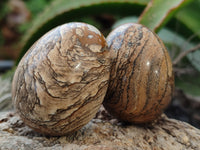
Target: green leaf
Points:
(190, 17)
(158, 12)
(133, 19)
(190, 84)
(171, 38)
(35, 6)
(62, 11)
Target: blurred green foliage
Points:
(175, 21)
(36, 6)
(190, 17)
(158, 12)
(3, 9)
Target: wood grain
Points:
(141, 79)
(61, 81)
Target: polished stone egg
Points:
(61, 81)
(141, 80)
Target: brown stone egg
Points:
(141, 79)
(61, 81)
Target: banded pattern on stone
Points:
(141, 79)
(61, 81)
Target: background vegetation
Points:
(177, 22)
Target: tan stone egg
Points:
(141, 79)
(61, 81)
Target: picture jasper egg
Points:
(141, 79)
(61, 81)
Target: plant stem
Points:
(183, 54)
